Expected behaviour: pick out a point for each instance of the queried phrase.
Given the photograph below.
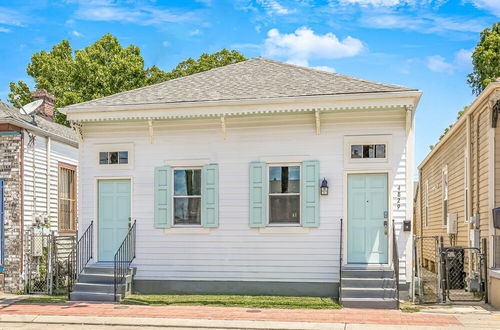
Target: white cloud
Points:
(376, 3)
(462, 61)
(4, 29)
(426, 23)
(438, 63)
(194, 32)
(490, 5)
(324, 68)
(304, 44)
(11, 17)
(274, 7)
(76, 33)
(142, 15)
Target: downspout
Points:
(21, 188)
(468, 170)
(49, 146)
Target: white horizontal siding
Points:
(35, 178)
(234, 251)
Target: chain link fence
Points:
(45, 261)
(426, 269)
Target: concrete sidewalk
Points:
(471, 322)
(114, 316)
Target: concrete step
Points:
(98, 270)
(368, 293)
(96, 278)
(373, 303)
(368, 282)
(98, 287)
(93, 296)
(367, 273)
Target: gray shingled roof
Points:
(9, 113)
(256, 78)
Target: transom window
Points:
(187, 196)
(284, 194)
(368, 151)
(113, 157)
(67, 197)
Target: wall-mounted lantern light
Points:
(324, 187)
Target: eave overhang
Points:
(229, 108)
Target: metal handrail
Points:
(80, 255)
(395, 261)
(124, 257)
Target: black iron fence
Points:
(395, 260)
(80, 255)
(123, 258)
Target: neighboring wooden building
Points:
(260, 135)
(38, 160)
(460, 181)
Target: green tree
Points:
(102, 69)
(486, 59)
(206, 62)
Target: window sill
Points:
(289, 230)
(495, 273)
(187, 231)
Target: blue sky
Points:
(424, 44)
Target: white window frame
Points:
(426, 202)
(173, 195)
(268, 195)
(364, 163)
(114, 147)
(445, 182)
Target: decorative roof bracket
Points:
(151, 132)
(494, 113)
(223, 127)
(318, 122)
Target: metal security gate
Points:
(45, 261)
(426, 261)
(463, 274)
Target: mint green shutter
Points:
(257, 195)
(310, 193)
(163, 197)
(210, 196)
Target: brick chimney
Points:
(47, 108)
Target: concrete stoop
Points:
(368, 287)
(96, 283)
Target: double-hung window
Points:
(445, 196)
(67, 198)
(284, 194)
(187, 196)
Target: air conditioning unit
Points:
(452, 224)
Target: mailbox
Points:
(407, 225)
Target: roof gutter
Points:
(473, 107)
(73, 109)
(39, 131)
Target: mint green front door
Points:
(113, 216)
(366, 213)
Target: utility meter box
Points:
(496, 217)
(475, 238)
(452, 224)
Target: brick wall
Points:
(10, 171)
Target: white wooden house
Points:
(38, 165)
(222, 170)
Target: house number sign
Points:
(398, 197)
